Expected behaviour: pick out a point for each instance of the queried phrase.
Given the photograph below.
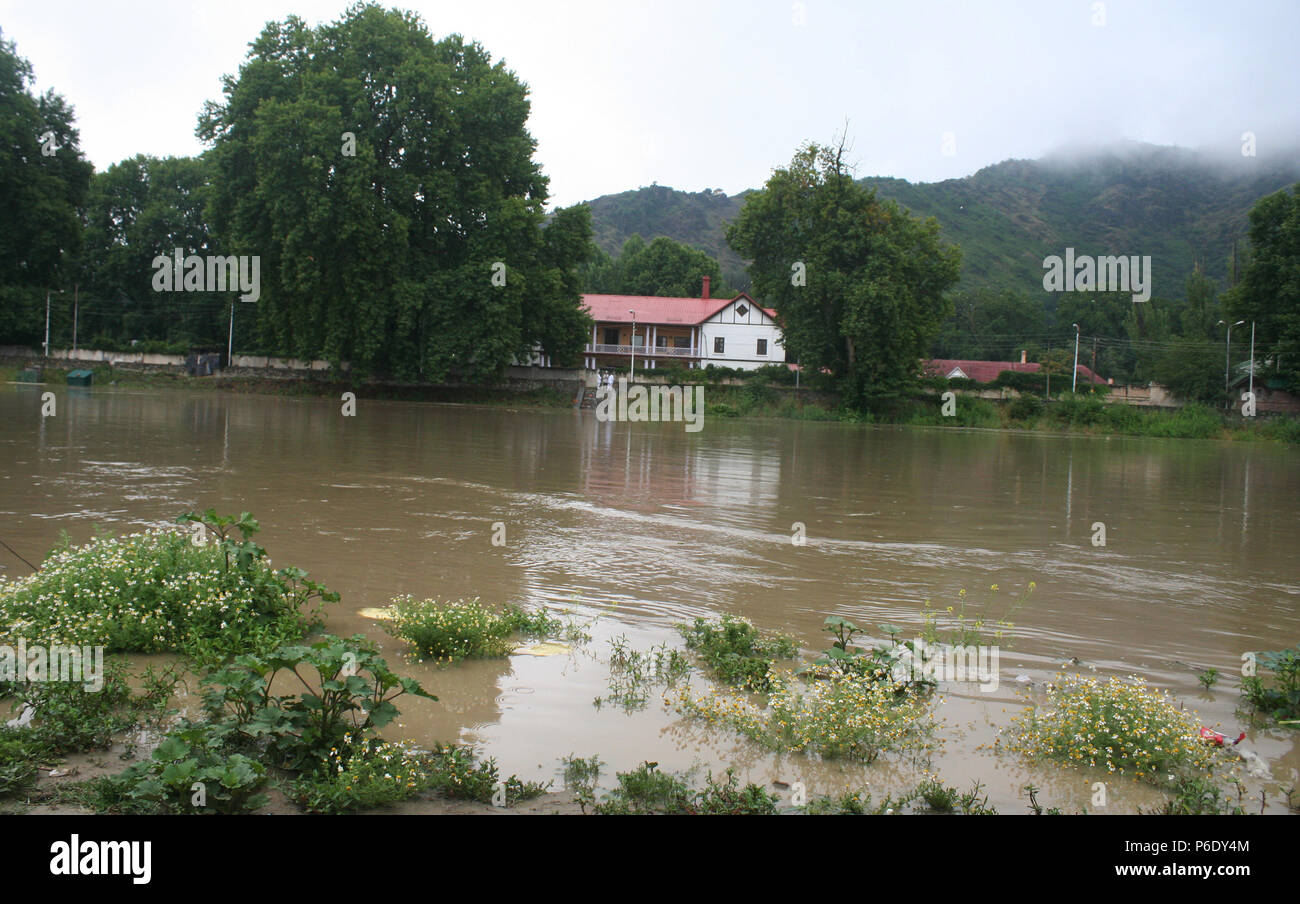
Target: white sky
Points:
(715, 94)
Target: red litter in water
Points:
(1218, 739)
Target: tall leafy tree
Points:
(386, 180)
(1269, 291)
(43, 183)
(858, 284)
(137, 209)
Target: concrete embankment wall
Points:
(265, 367)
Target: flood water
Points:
(636, 527)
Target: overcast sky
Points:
(714, 95)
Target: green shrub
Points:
(645, 790)
(1025, 408)
(1120, 726)
(348, 691)
(158, 592)
(464, 629)
(1281, 701)
(372, 773)
(736, 652)
(843, 715)
(21, 753)
(1188, 422)
(1077, 410)
(188, 772)
(69, 718)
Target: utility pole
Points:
(74, 316)
(230, 343)
(1047, 367)
(1227, 353)
(1074, 374)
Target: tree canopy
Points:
(1269, 291)
(858, 283)
(44, 179)
(386, 180)
(663, 267)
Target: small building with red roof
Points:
(987, 371)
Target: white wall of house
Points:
(740, 333)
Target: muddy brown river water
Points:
(634, 528)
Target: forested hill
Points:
(1176, 205)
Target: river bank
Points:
(1087, 415)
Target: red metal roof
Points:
(659, 309)
(987, 371)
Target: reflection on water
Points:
(641, 526)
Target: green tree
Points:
(989, 325)
(1269, 292)
(858, 283)
(663, 267)
(43, 183)
(138, 209)
(386, 180)
(1192, 369)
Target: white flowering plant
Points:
(157, 591)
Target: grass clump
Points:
(928, 796)
(65, 717)
(633, 673)
(846, 714)
(1281, 699)
(736, 652)
(645, 790)
(377, 773)
(1117, 725)
(464, 629)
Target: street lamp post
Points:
(1227, 352)
(632, 369)
(1252, 359)
(47, 318)
(1075, 375)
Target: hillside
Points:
(1176, 205)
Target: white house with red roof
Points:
(695, 332)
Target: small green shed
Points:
(80, 377)
(30, 375)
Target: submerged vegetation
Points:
(735, 652)
(846, 714)
(1118, 725)
(464, 629)
(1281, 699)
(302, 719)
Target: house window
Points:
(611, 336)
(719, 345)
(762, 346)
(661, 341)
(741, 311)
(681, 342)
